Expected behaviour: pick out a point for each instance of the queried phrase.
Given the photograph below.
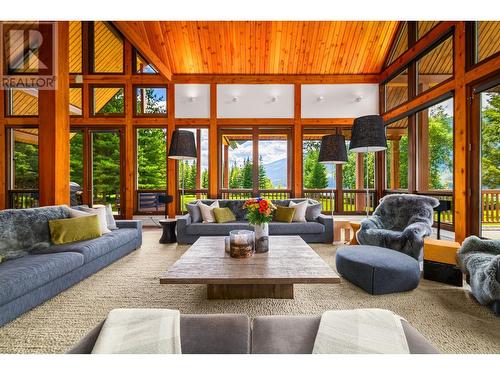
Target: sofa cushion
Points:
(236, 206)
(20, 276)
(284, 214)
(216, 229)
(276, 228)
(224, 215)
(194, 211)
(74, 229)
(313, 211)
(92, 249)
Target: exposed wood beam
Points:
(129, 169)
(128, 29)
(275, 78)
(171, 163)
(297, 144)
(213, 154)
(53, 109)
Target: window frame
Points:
(91, 49)
(150, 115)
(105, 86)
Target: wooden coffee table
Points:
(270, 275)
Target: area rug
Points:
(447, 316)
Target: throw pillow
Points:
(101, 214)
(207, 212)
(313, 211)
(194, 212)
(74, 229)
(110, 219)
(224, 215)
(300, 211)
(77, 213)
(284, 214)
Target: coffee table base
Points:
(244, 291)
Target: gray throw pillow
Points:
(194, 212)
(313, 211)
(110, 218)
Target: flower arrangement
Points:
(260, 210)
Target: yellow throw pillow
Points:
(284, 214)
(74, 229)
(223, 215)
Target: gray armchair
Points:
(480, 261)
(400, 222)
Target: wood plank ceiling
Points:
(268, 47)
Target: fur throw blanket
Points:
(481, 260)
(400, 222)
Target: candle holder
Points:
(241, 243)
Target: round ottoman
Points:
(378, 270)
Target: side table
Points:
(440, 262)
(355, 225)
(168, 226)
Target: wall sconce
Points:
(358, 99)
(320, 99)
(192, 99)
(274, 99)
(235, 99)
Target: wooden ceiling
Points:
(268, 47)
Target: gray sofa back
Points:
(22, 231)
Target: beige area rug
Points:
(452, 320)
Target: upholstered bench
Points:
(378, 270)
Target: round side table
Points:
(168, 226)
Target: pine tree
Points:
(247, 175)
(264, 181)
(204, 179)
(490, 143)
(235, 177)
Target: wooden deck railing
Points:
(23, 198)
(491, 206)
(353, 201)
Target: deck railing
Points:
(353, 201)
(23, 199)
(491, 206)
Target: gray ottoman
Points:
(378, 270)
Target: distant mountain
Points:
(277, 173)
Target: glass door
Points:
(489, 163)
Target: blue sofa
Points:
(317, 229)
(44, 270)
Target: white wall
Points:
(185, 107)
(339, 100)
(255, 101)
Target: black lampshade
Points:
(182, 146)
(333, 150)
(368, 134)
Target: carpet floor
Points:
(447, 316)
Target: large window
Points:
(273, 161)
(75, 47)
(23, 167)
(397, 157)
(435, 147)
(21, 102)
(142, 66)
(108, 101)
(486, 39)
(400, 45)
(396, 90)
(193, 174)
(107, 49)
(435, 66)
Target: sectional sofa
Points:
(236, 334)
(317, 228)
(43, 270)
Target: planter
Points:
(261, 237)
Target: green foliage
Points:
(26, 166)
(106, 166)
(349, 170)
(315, 174)
(115, 105)
(76, 158)
(264, 181)
(490, 142)
(246, 178)
(151, 159)
(440, 148)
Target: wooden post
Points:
(460, 149)
(423, 150)
(198, 160)
(53, 112)
(225, 183)
(128, 186)
(297, 190)
(395, 153)
(213, 181)
(360, 182)
(171, 163)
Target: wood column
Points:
(423, 167)
(3, 154)
(360, 182)
(395, 161)
(198, 161)
(53, 110)
(297, 190)
(460, 150)
(213, 154)
(225, 174)
(171, 163)
(128, 185)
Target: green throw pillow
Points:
(74, 229)
(223, 215)
(284, 214)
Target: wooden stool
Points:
(337, 230)
(440, 261)
(355, 225)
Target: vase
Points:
(261, 237)
(241, 243)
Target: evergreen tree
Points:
(247, 175)
(440, 148)
(235, 177)
(264, 181)
(151, 159)
(490, 142)
(204, 179)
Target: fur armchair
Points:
(400, 222)
(480, 261)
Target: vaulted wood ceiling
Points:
(270, 47)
